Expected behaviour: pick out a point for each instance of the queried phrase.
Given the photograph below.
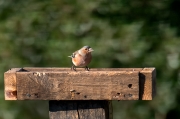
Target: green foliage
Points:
(127, 33)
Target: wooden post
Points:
(93, 109)
(81, 94)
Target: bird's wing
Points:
(74, 54)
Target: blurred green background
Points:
(123, 33)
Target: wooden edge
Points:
(147, 84)
(57, 69)
(10, 90)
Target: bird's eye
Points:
(86, 49)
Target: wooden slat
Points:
(53, 84)
(147, 84)
(56, 69)
(79, 109)
(147, 78)
(10, 91)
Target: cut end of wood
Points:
(10, 91)
(147, 84)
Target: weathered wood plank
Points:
(80, 85)
(146, 77)
(82, 94)
(10, 91)
(79, 109)
(56, 69)
(147, 84)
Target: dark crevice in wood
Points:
(77, 93)
(129, 85)
(23, 70)
(78, 110)
(10, 93)
(141, 85)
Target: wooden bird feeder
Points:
(80, 94)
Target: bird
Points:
(81, 58)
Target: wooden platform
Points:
(64, 84)
(80, 94)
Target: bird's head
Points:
(85, 50)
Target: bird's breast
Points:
(82, 61)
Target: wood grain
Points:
(79, 109)
(147, 84)
(56, 69)
(64, 84)
(53, 84)
(81, 94)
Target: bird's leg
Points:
(87, 68)
(73, 68)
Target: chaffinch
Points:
(81, 58)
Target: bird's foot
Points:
(73, 68)
(87, 68)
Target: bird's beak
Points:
(90, 50)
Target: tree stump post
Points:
(93, 109)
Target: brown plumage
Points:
(81, 58)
